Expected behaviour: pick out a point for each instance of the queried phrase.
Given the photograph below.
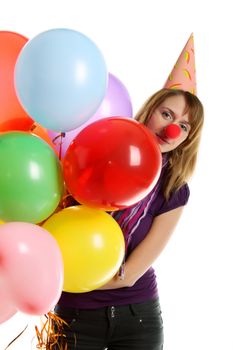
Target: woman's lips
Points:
(161, 140)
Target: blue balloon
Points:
(61, 79)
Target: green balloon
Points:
(31, 181)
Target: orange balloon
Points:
(42, 132)
(37, 129)
(12, 114)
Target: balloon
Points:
(42, 132)
(116, 102)
(112, 164)
(31, 263)
(31, 183)
(37, 129)
(7, 308)
(92, 246)
(12, 115)
(60, 78)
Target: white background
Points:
(141, 41)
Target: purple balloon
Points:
(116, 103)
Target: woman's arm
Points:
(148, 250)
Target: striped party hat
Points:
(183, 75)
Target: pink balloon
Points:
(7, 308)
(31, 264)
(115, 103)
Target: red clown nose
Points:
(172, 131)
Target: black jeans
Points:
(134, 326)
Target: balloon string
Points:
(60, 146)
(16, 338)
(61, 136)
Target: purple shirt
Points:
(146, 287)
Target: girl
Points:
(125, 313)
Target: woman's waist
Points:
(67, 312)
(144, 289)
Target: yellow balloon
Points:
(92, 246)
(1, 222)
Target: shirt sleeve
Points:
(177, 199)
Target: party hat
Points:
(183, 75)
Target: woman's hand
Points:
(115, 283)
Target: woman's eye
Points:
(184, 127)
(167, 115)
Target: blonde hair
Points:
(182, 160)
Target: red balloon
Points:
(112, 164)
(12, 115)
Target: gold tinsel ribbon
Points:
(51, 336)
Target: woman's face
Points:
(171, 111)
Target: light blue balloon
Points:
(60, 79)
